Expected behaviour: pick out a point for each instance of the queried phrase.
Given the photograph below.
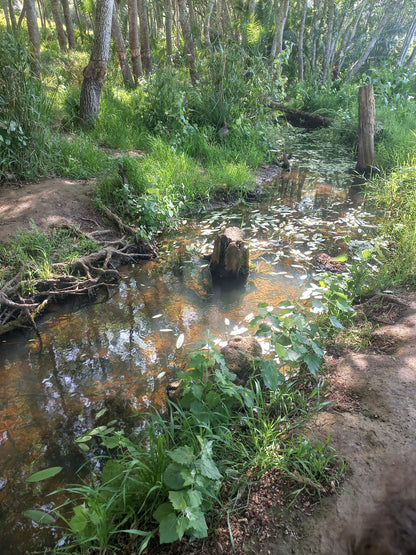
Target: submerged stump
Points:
(230, 258)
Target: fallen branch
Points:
(300, 118)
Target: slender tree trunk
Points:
(411, 58)
(364, 56)
(281, 18)
(315, 33)
(68, 24)
(58, 24)
(136, 60)
(120, 49)
(12, 15)
(177, 25)
(144, 36)
(169, 31)
(301, 63)
(41, 15)
(94, 73)
(348, 38)
(207, 24)
(189, 43)
(7, 18)
(407, 41)
(33, 31)
(251, 7)
(328, 43)
(22, 16)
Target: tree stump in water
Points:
(230, 257)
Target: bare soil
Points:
(371, 421)
(47, 202)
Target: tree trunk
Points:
(189, 43)
(364, 56)
(366, 123)
(301, 71)
(121, 49)
(41, 15)
(68, 24)
(315, 34)
(328, 43)
(281, 18)
(22, 16)
(251, 7)
(94, 73)
(207, 24)
(12, 16)
(33, 31)
(348, 38)
(144, 36)
(7, 18)
(58, 24)
(169, 31)
(136, 60)
(407, 41)
(411, 58)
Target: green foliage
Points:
(25, 109)
(33, 252)
(396, 198)
(169, 478)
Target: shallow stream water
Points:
(120, 352)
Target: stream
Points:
(120, 352)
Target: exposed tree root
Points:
(81, 277)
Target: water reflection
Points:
(112, 354)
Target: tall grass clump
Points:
(24, 114)
(396, 197)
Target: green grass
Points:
(34, 251)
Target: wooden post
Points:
(366, 124)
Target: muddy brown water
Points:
(120, 352)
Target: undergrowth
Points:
(187, 465)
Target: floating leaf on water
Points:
(226, 321)
(166, 329)
(157, 316)
(238, 331)
(39, 516)
(101, 413)
(180, 340)
(204, 266)
(288, 276)
(160, 375)
(249, 317)
(44, 474)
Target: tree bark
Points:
(7, 18)
(33, 31)
(169, 31)
(58, 24)
(348, 38)
(121, 49)
(411, 58)
(281, 18)
(315, 35)
(364, 56)
(68, 24)
(366, 124)
(207, 24)
(189, 43)
(94, 73)
(407, 41)
(136, 60)
(144, 36)
(12, 16)
(301, 70)
(328, 43)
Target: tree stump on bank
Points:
(230, 258)
(366, 126)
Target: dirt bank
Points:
(47, 202)
(372, 426)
